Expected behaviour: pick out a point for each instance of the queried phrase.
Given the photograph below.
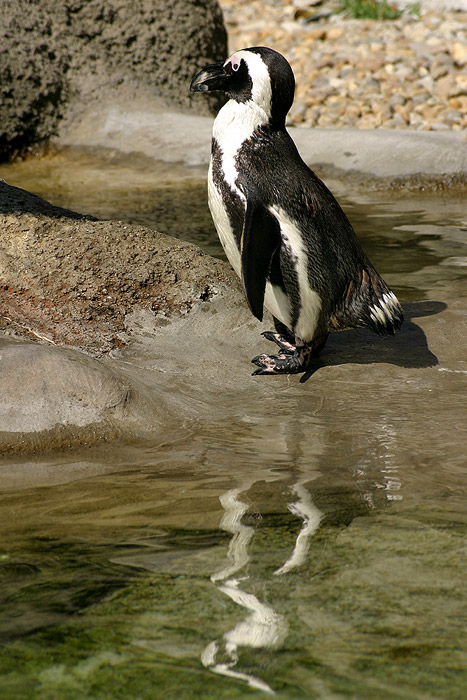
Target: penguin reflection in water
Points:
(282, 230)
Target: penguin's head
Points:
(258, 76)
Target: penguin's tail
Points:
(369, 302)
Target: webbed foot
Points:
(283, 337)
(285, 362)
(285, 344)
(292, 359)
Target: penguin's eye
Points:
(235, 66)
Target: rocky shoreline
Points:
(408, 73)
(75, 293)
(113, 331)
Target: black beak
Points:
(212, 77)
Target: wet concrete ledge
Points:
(381, 158)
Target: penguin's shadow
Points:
(408, 348)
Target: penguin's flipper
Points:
(260, 239)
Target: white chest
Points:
(235, 124)
(222, 223)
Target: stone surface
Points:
(94, 286)
(73, 279)
(378, 156)
(57, 59)
(81, 389)
(54, 398)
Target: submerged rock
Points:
(55, 398)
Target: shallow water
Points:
(281, 545)
(402, 234)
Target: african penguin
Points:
(281, 228)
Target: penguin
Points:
(281, 228)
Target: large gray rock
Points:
(55, 398)
(71, 279)
(56, 58)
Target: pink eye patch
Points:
(234, 62)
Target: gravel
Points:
(408, 73)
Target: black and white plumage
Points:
(281, 228)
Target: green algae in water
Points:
(357, 619)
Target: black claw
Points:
(285, 332)
(269, 335)
(259, 371)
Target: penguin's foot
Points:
(287, 362)
(286, 343)
(292, 359)
(283, 337)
